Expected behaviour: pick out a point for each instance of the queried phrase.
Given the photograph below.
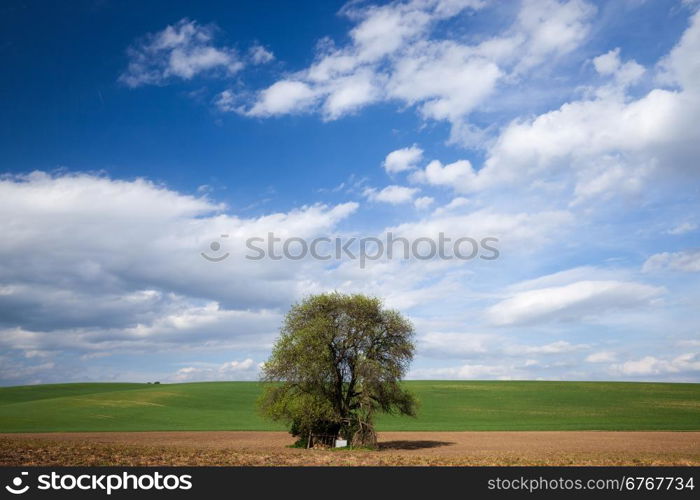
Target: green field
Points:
(445, 406)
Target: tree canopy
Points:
(338, 361)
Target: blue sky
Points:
(133, 135)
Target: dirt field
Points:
(396, 448)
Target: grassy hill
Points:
(445, 406)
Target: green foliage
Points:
(338, 361)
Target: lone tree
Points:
(338, 361)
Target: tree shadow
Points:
(412, 445)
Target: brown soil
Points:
(396, 448)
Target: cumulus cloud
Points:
(611, 140)
(608, 144)
(183, 50)
(402, 159)
(284, 96)
(443, 79)
(350, 93)
(592, 127)
(603, 147)
(396, 53)
(609, 64)
(93, 265)
(423, 202)
(552, 29)
(391, 194)
(686, 261)
(458, 175)
(681, 66)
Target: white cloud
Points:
(652, 365)
(246, 369)
(226, 101)
(484, 346)
(681, 66)
(458, 175)
(601, 357)
(454, 204)
(350, 93)
(91, 264)
(576, 301)
(558, 347)
(552, 29)
(608, 179)
(607, 147)
(687, 261)
(611, 142)
(500, 371)
(568, 276)
(444, 79)
(78, 274)
(603, 146)
(396, 53)
(174, 323)
(585, 130)
(182, 50)
(600, 147)
(423, 202)
(284, 96)
(513, 229)
(344, 79)
(683, 228)
(260, 55)
(392, 194)
(403, 159)
(609, 64)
